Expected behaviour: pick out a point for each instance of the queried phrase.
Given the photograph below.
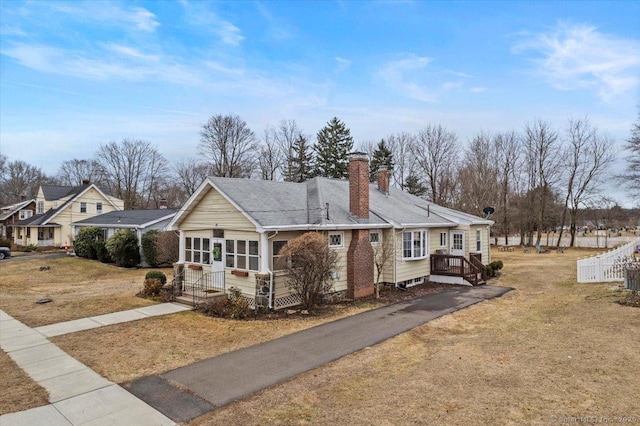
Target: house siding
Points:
(214, 211)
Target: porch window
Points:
(414, 245)
(336, 239)
(275, 249)
(197, 250)
(478, 240)
(99, 207)
(242, 254)
(83, 207)
(443, 239)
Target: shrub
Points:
(234, 306)
(149, 241)
(308, 262)
(84, 243)
(158, 275)
(123, 248)
(102, 254)
(152, 287)
(29, 248)
(167, 248)
(493, 268)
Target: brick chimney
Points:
(359, 185)
(162, 204)
(383, 180)
(360, 253)
(86, 181)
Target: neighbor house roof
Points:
(10, 210)
(128, 218)
(323, 203)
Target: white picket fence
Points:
(605, 267)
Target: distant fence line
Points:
(580, 242)
(606, 267)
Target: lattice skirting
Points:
(286, 301)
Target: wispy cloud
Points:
(342, 63)
(200, 14)
(403, 75)
(478, 89)
(109, 13)
(572, 57)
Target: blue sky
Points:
(78, 74)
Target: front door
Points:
(217, 255)
(457, 243)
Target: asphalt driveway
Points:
(220, 380)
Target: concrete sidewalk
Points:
(77, 394)
(225, 378)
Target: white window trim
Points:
(341, 245)
(40, 207)
(379, 237)
(83, 205)
(425, 244)
(247, 255)
(204, 254)
(98, 207)
(479, 240)
(445, 235)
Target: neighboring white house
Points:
(57, 207)
(235, 228)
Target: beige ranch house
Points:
(231, 231)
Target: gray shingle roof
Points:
(283, 204)
(128, 217)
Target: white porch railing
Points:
(603, 267)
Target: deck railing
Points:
(458, 266)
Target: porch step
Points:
(188, 299)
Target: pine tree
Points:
(382, 156)
(333, 145)
(300, 165)
(414, 187)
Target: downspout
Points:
(395, 254)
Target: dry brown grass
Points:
(19, 392)
(79, 288)
(129, 351)
(550, 348)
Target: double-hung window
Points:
(83, 207)
(40, 207)
(414, 245)
(443, 239)
(99, 207)
(478, 240)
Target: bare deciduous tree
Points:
(284, 137)
(400, 145)
(19, 179)
(435, 150)
(271, 157)
(74, 172)
(507, 149)
(133, 170)
(587, 156)
(631, 176)
(478, 175)
(542, 153)
(308, 262)
(190, 174)
(382, 255)
(229, 145)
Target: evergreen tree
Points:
(333, 145)
(382, 156)
(299, 168)
(413, 186)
